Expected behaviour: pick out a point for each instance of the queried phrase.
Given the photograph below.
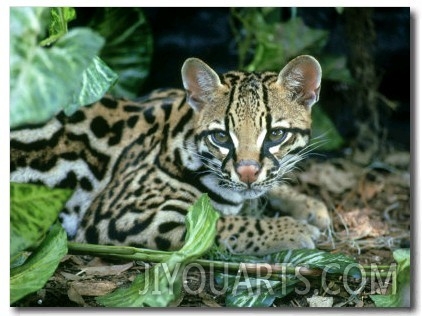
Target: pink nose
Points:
(248, 171)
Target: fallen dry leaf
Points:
(362, 223)
(368, 190)
(74, 296)
(93, 288)
(330, 177)
(70, 276)
(108, 270)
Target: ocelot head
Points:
(251, 127)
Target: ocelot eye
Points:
(276, 135)
(220, 138)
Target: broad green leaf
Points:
(402, 297)
(33, 209)
(128, 47)
(324, 132)
(162, 284)
(261, 295)
(27, 25)
(331, 263)
(279, 42)
(244, 290)
(262, 292)
(246, 299)
(19, 259)
(386, 300)
(311, 258)
(51, 76)
(58, 23)
(201, 228)
(40, 266)
(96, 81)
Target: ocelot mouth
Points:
(252, 193)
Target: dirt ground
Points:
(370, 207)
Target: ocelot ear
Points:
(199, 81)
(302, 77)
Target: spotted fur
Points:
(136, 166)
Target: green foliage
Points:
(401, 291)
(274, 43)
(162, 284)
(40, 266)
(33, 209)
(58, 25)
(44, 80)
(324, 131)
(261, 292)
(47, 75)
(128, 47)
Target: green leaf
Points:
(331, 263)
(246, 291)
(128, 48)
(261, 292)
(335, 68)
(402, 297)
(279, 42)
(201, 228)
(96, 81)
(324, 131)
(246, 299)
(51, 76)
(58, 24)
(59, 19)
(162, 284)
(35, 272)
(19, 259)
(33, 209)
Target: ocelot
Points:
(136, 166)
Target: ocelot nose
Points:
(248, 170)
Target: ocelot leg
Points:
(300, 206)
(247, 235)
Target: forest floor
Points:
(370, 208)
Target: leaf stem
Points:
(270, 271)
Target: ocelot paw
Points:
(303, 208)
(313, 212)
